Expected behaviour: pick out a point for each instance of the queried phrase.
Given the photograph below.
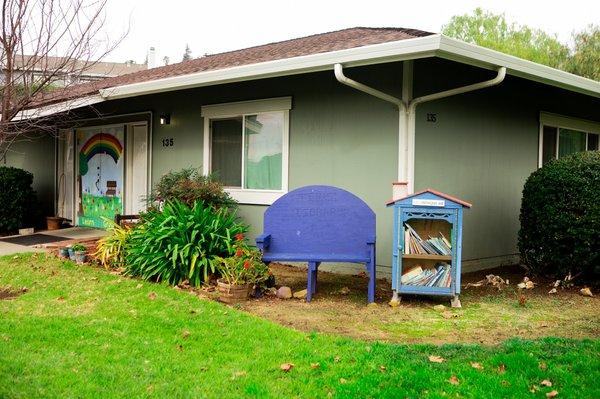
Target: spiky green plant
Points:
(181, 243)
(111, 249)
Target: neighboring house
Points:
(84, 71)
(275, 117)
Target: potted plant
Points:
(240, 272)
(64, 252)
(80, 253)
(54, 222)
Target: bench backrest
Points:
(319, 219)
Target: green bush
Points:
(188, 186)
(560, 218)
(181, 243)
(17, 199)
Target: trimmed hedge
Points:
(17, 199)
(560, 218)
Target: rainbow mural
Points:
(101, 143)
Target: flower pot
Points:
(80, 257)
(53, 222)
(71, 253)
(231, 294)
(63, 253)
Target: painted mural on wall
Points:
(100, 175)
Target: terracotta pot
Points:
(232, 293)
(53, 222)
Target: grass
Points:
(488, 315)
(82, 332)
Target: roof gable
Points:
(430, 193)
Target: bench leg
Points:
(372, 279)
(311, 280)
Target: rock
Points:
(439, 308)
(284, 293)
(300, 294)
(586, 292)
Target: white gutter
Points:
(64, 106)
(406, 131)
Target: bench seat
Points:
(315, 257)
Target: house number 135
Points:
(167, 142)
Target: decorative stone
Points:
(300, 294)
(284, 293)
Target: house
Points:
(72, 71)
(358, 108)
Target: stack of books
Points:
(414, 244)
(439, 276)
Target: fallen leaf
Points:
(476, 365)
(534, 389)
(546, 383)
(552, 291)
(287, 367)
(552, 394)
(345, 291)
(152, 296)
(343, 381)
(140, 285)
(382, 368)
(439, 308)
(315, 365)
(336, 359)
(449, 315)
(585, 292)
(505, 383)
(368, 349)
(185, 334)
(203, 368)
(180, 347)
(502, 369)
(436, 359)
(453, 380)
(543, 366)
(238, 374)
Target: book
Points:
(439, 276)
(415, 244)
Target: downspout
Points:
(408, 130)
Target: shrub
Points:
(188, 186)
(181, 243)
(560, 218)
(17, 199)
(111, 249)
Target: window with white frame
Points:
(247, 148)
(561, 135)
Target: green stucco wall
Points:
(481, 148)
(337, 136)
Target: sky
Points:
(210, 27)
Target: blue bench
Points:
(317, 224)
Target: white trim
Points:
(242, 109)
(246, 107)
(428, 46)
(563, 122)
(566, 122)
(58, 107)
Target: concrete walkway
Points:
(71, 233)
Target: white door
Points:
(136, 187)
(66, 175)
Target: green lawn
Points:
(82, 332)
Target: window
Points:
(560, 136)
(247, 148)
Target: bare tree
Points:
(45, 46)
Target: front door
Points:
(99, 183)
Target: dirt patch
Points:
(488, 315)
(9, 293)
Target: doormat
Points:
(33, 239)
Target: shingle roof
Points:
(314, 44)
